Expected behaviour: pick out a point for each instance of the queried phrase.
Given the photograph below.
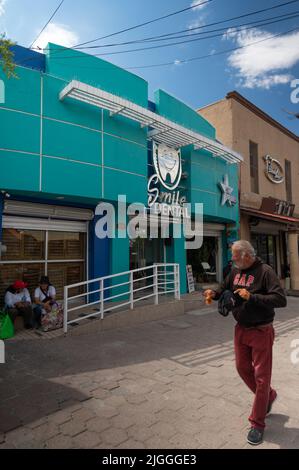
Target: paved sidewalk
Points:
(164, 384)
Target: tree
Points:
(7, 56)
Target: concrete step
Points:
(125, 318)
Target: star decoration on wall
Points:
(227, 197)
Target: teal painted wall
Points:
(87, 156)
(96, 72)
(85, 153)
(204, 174)
(176, 253)
(174, 109)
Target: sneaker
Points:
(255, 436)
(270, 405)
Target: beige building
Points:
(269, 180)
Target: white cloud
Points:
(266, 63)
(199, 20)
(196, 23)
(2, 5)
(59, 34)
(198, 7)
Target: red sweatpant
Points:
(253, 350)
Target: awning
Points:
(163, 130)
(273, 217)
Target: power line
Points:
(146, 23)
(236, 28)
(47, 23)
(223, 21)
(165, 36)
(192, 59)
(156, 39)
(213, 54)
(162, 36)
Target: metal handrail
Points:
(158, 288)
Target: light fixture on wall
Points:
(5, 194)
(254, 221)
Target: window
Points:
(254, 171)
(32, 253)
(288, 180)
(23, 244)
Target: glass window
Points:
(207, 253)
(66, 245)
(29, 273)
(288, 180)
(63, 274)
(254, 173)
(23, 244)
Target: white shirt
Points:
(38, 294)
(11, 299)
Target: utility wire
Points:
(47, 23)
(226, 51)
(165, 36)
(146, 23)
(236, 29)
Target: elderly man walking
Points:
(257, 290)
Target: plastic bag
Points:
(6, 326)
(53, 319)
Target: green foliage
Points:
(7, 57)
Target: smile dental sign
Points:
(168, 173)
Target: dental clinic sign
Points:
(168, 172)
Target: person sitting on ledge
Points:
(18, 302)
(44, 297)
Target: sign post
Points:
(190, 278)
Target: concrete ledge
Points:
(292, 293)
(126, 318)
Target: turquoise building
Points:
(77, 130)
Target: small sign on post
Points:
(190, 278)
(2, 352)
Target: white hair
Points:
(244, 247)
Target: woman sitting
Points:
(17, 302)
(44, 299)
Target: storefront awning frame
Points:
(162, 130)
(272, 217)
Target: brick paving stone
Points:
(61, 417)
(8, 421)
(84, 414)
(113, 437)
(131, 444)
(59, 442)
(164, 430)
(122, 422)
(86, 440)
(72, 428)
(174, 387)
(142, 433)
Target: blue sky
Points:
(262, 72)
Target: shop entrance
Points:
(206, 262)
(145, 252)
(265, 247)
